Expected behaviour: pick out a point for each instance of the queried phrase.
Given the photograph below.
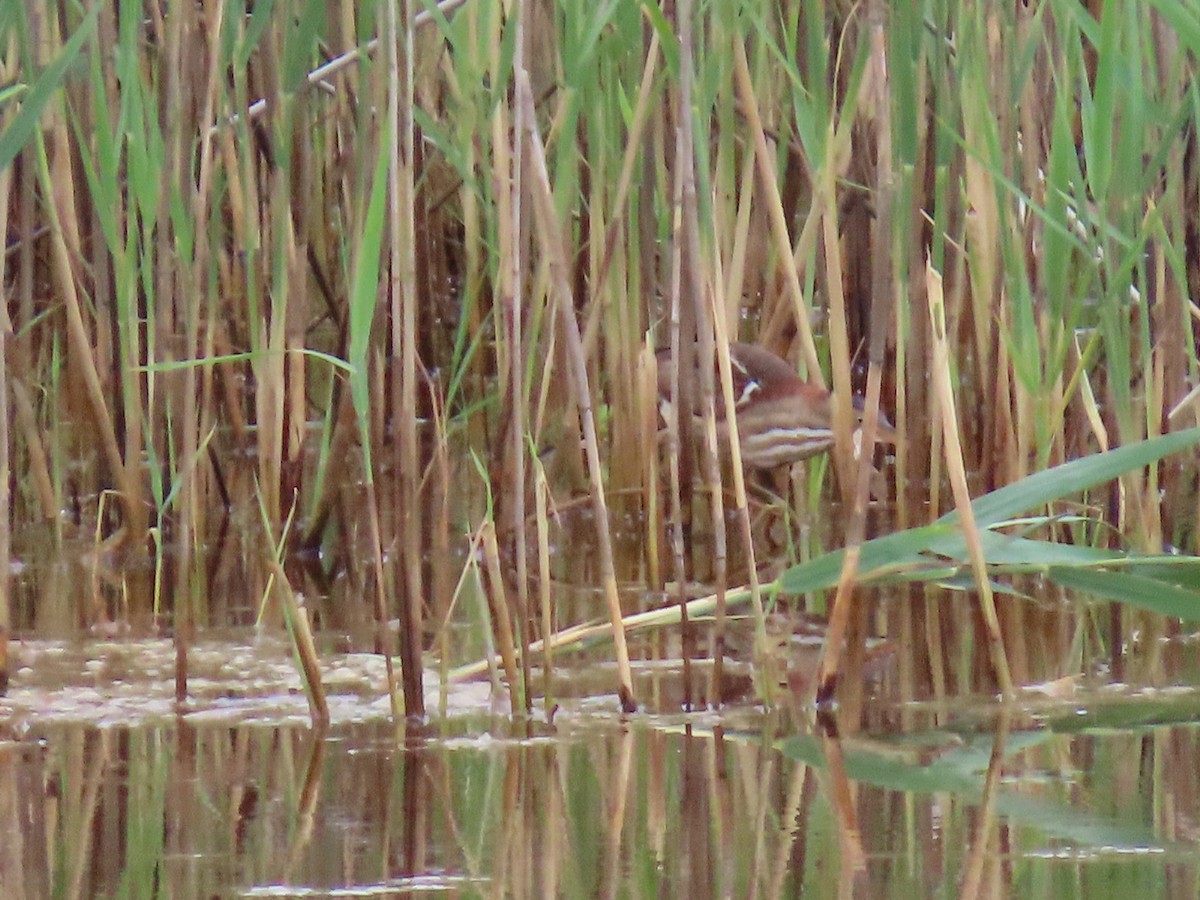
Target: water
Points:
(107, 789)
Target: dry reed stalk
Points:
(268, 367)
(6, 334)
(548, 387)
(403, 292)
(295, 368)
(190, 508)
(441, 577)
(958, 480)
(935, 651)
(764, 663)
(648, 451)
(884, 293)
(508, 171)
(723, 312)
(550, 233)
(58, 187)
(694, 286)
(983, 232)
(170, 295)
(844, 626)
(735, 268)
(576, 635)
(302, 640)
(680, 444)
(383, 643)
(839, 341)
(714, 487)
(501, 620)
(774, 205)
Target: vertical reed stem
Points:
(403, 298)
(550, 233)
(5, 466)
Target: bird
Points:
(781, 418)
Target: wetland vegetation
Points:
(345, 546)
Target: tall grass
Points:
(304, 259)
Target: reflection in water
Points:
(742, 805)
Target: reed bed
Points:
(309, 294)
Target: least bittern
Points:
(781, 418)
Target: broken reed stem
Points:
(550, 233)
(943, 387)
(295, 615)
(576, 635)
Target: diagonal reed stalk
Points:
(550, 232)
(958, 482)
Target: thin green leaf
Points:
(363, 294)
(1074, 477)
(895, 556)
(1133, 590)
(24, 123)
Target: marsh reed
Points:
(318, 281)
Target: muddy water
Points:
(107, 789)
